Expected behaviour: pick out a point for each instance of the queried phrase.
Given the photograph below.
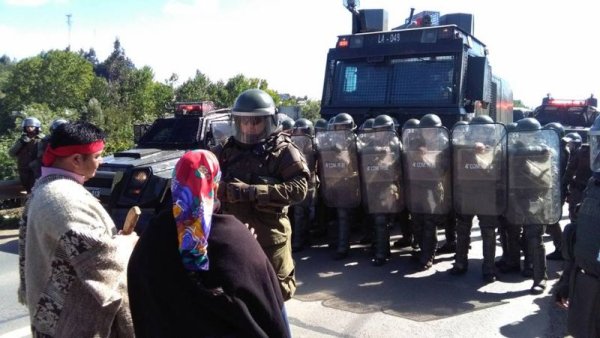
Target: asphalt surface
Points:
(352, 298)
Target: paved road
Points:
(351, 298)
(14, 317)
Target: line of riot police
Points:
(509, 179)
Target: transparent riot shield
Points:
(533, 177)
(338, 168)
(307, 147)
(380, 171)
(427, 167)
(479, 169)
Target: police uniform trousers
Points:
(487, 225)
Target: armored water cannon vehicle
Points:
(431, 63)
(141, 176)
(576, 115)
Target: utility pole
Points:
(69, 27)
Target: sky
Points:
(539, 47)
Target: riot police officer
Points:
(554, 229)
(584, 295)
(404, 218)
(338, 169)
(36, 165)
(533, 190)
(427, 176)
(379, 152)
(286, 122)
(263, 173)
(25, 151)
(479, 173)
(578, 172)
(366, 222)
(303, 137)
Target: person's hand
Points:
(251, 230)
(126, 240)
(479, 147)
(238, 191)
(25, 138)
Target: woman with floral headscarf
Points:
(195, 273)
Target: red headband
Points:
(50, 154)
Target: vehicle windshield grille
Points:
(172, 132)
(422, 81)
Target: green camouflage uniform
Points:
(277, 172)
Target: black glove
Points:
(238, 191)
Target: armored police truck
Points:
(430, 64)
(574, 115)
(141, 176)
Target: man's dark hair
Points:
(75, 133)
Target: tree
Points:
(311, 109)
(195, 89)
(59, 79)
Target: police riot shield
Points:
(307, 147)
(338, 168)
(533, 177)
(427, 167)
(479, 169)
(380, 171)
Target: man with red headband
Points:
(73, 262)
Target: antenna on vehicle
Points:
(351, 6)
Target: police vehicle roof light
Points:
(557, 102)
(343, 43)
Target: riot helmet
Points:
(573, 137)
(56, 123)
(482, 119)
(594, 139)
(367, 125)
(410, 123)
(383, 122)
(303, 126)
(556, 126)
(460, 123)
(528, 124)
(285, 121)
(320, 125)
(430, 121)
(511, 126)
(342, 121)
(254, 117)
(31, 122)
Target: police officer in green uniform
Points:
(25, 151)
(303, 133)
(554, 229)
(263, 174)
(479, 157)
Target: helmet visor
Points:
(252, 129)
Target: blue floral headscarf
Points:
(195, 178)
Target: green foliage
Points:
(311, 109)
(195, 89)
(8, 165)
(113, 94)
(59, 79)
